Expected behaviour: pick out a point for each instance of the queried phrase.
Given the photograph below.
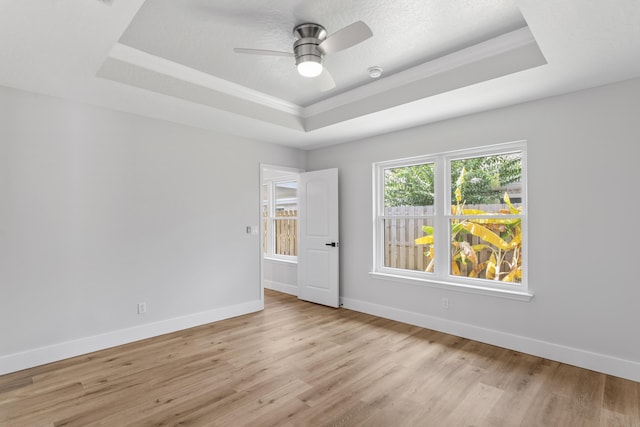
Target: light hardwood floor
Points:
(299, 364)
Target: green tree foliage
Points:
(485, 178)
(409, 186)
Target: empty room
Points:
(319, 213)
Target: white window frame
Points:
(271, 219)
(441, 277)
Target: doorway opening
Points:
(279, 228)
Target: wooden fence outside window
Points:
(400, 233)
(285, 230)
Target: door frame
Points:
(263, 167)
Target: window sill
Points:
(282, 260)
(478, 290)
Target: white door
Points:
(318, 248)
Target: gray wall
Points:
(280, 276)
(100, 210)
(583, 152)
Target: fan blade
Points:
(346, 37)
(324, 81)
(262, 52)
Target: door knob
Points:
(332, 244)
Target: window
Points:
(280, 217)
(456, 218)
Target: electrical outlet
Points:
(445, 303)
(142, 307)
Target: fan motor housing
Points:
(309, 30)
(305, 47)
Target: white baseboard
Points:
(281, 287)
(572, 356)
(64, 350)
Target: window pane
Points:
(285, 224)
(487, 249)
(265, 199)
(487, 183)
(286, 196)
(408, 243)
(286, 233)
(409, 186)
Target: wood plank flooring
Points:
(301, 364)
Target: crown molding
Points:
(160, 65)
(348, 104)
(503, 43)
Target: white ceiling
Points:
(201, 34)
(173, 59)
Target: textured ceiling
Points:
(172, 60)
(201, 34)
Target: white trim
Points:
(505, 292)
(160, 65)
(573, 356)
(501, 44)
(64, 350)
(284, 259)
(286, 288)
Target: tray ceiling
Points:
(201, 34)
(173, 60)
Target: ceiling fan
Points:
(313, 44)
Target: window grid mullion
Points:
(441, 232)
(378, 252)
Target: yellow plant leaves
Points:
(479, 268)
(491, 268)
(424, 240)
(512, 208)
(468, 253)
(459, 183)
(454, 269)
(485, 234)
(509, 277)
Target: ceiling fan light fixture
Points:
(309, 66)
(312, 44)
(305, 49)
